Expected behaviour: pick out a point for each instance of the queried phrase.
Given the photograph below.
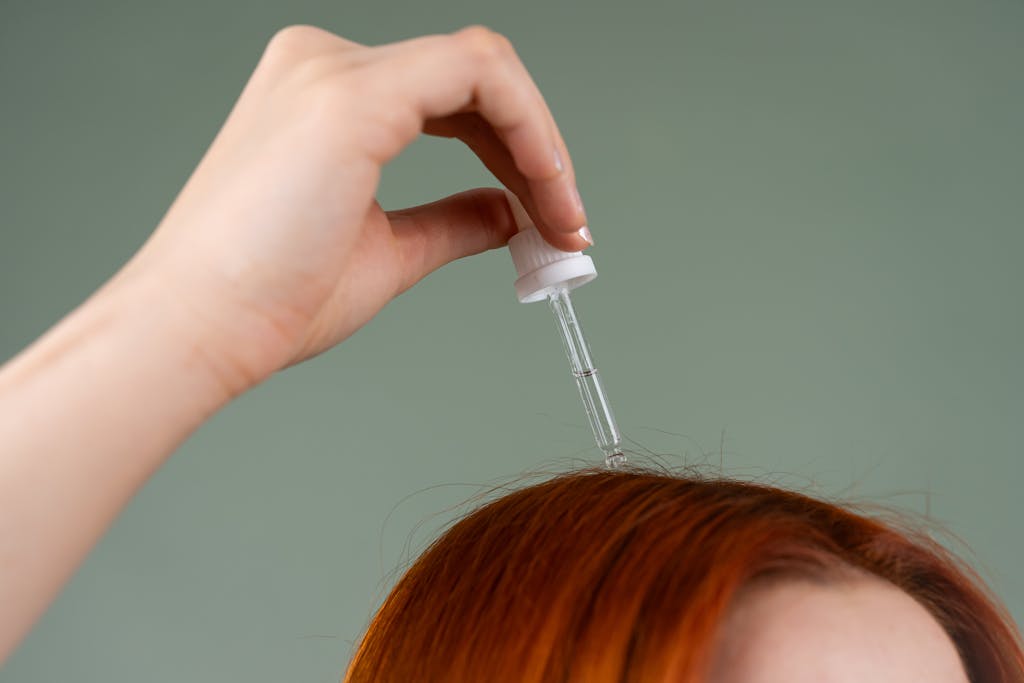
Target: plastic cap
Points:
(541, 267)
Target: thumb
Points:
(467, 223)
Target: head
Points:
(624, 576)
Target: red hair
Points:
(624, 576)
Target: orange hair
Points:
(623, 576)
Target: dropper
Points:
(549, 273)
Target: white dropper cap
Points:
(541, 267)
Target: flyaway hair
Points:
(626, 576)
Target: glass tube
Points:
(588, 380)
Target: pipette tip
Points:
(615, 460)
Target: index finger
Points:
(476, 69)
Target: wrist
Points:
(128, 342)
(191, 328)
(164, 330)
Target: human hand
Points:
(276, 248)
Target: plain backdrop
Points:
(809, 218)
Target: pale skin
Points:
(276, 250)
(846, 629)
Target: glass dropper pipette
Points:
(588, 380)
(549, 273)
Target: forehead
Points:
(792, 630)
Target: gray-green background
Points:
(808, 218)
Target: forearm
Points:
(87, 414)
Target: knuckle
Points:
(289, 38)
(372, 123)
(289, 44)
(485, 43)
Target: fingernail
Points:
(559, 164)
(584, 232)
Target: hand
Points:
(273, 251)
(276, 246)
